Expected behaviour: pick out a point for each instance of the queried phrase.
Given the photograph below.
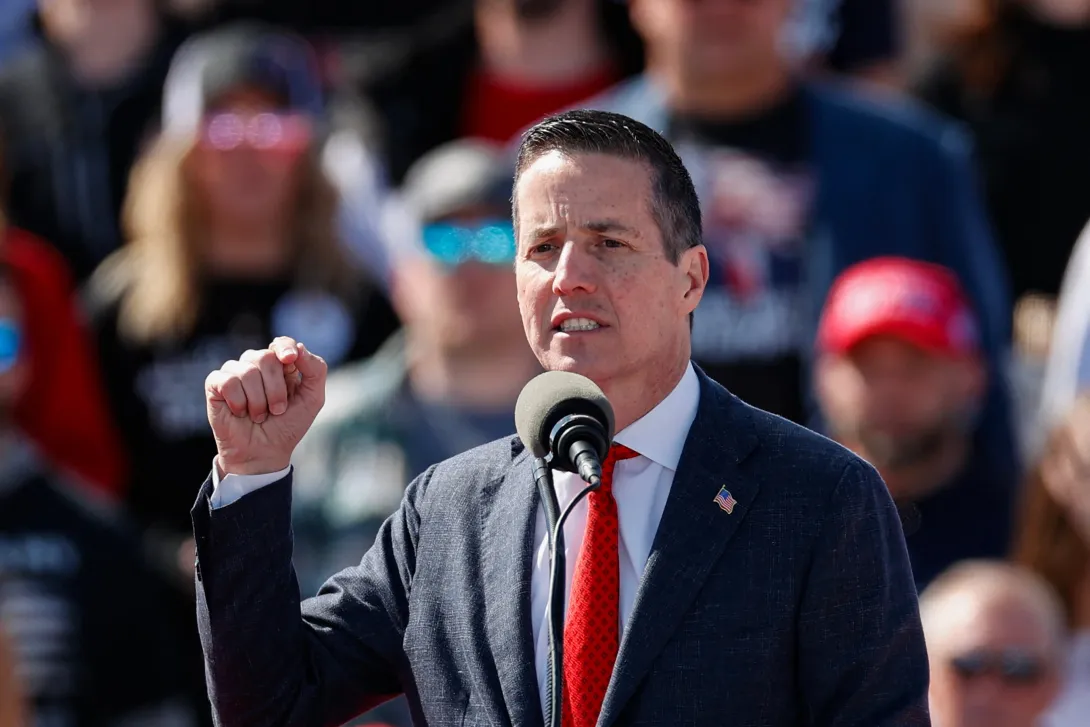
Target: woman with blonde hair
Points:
(232, 241)
(1054, 541)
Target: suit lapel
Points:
(691, 536)
(509, 513)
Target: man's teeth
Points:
(578, 324)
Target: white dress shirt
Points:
(641, 486)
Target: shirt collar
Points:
(660, 434)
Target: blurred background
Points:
(896, 213)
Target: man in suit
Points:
(734, 569)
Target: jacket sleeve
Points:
(862, 661)
(272, 661)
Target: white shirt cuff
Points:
(233, 488)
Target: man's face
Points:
(711, 38)
(597, 292)
(461, 299)
(993, 663)
(896, 402)
(245, 167)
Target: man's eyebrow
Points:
(610, 227)
(539, 233)
(601, 227)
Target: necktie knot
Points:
(617, 452)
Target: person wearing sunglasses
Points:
(996, 640)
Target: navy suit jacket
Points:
(797, 608)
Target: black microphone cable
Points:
(557, 576)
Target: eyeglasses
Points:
(265, 131)
(1015, 666)
(490, 241)
(10, 344)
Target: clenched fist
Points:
(261, 405)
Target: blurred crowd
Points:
(891, 204)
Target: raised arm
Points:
(270, 660)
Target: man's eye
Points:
(612, 243)
(543, 247)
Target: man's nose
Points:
(576, 271)
(985, 694)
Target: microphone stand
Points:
(554, 685)
(554, 681)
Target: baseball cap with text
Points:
(917, 302)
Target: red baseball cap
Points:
(917, 302)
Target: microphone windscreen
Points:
(550, 396)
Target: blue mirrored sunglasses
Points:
(490, 241)
(10, 340)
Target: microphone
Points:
(566, 415)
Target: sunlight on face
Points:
(597, 293)
(988, 625)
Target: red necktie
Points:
(591, 635)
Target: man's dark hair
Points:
(674, 204)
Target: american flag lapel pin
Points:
(725, 501)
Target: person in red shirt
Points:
(63, 410)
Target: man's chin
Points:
(592, 367)
(567, 363)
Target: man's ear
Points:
(694, 264)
